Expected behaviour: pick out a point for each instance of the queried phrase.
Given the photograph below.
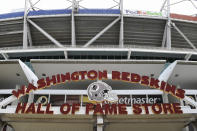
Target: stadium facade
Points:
(98, 70)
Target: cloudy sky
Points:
(184, 7)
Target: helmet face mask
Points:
(100, 91)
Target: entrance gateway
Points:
(98, 103)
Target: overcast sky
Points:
(184, 7)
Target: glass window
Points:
(41, 99)
(139, 99)
(57, 100)
(152, 99)
(70, 99)
(124, 99)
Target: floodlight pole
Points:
(168, 28)
(121, 37)
(25, 41)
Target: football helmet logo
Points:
(100, 91)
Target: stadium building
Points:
(98, 70)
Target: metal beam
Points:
(181, 33)
(25, 41)
(11, 33)
(5, 56)
(8, 100)
(73, 37)
(65, 54)
(190, 101)
(49, 49)
(129, 54)
(121, 37)
(31, 77)
(45, 33)
(188, 56)
(101, 32)
(163, 5)
(165, 75)
(32, 5)
(193, 4)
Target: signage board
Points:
(100, 98)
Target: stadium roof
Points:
(138, 30)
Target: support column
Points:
(65, 54)
(165, 98)
(121, 38)
(99, 123)
(29, 35)
(73, 38)
(168, 29)
(31, 97)
(25, 41)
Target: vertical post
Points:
(29, 35)
(65, 54)
(73, 24)
(168, 44)
(99, 123)
(31, 97)
(121, 38)
(25, 41)
(165, 98)
(164, 36)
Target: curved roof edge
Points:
(183, 17)
(60, 11)
(83, 11)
